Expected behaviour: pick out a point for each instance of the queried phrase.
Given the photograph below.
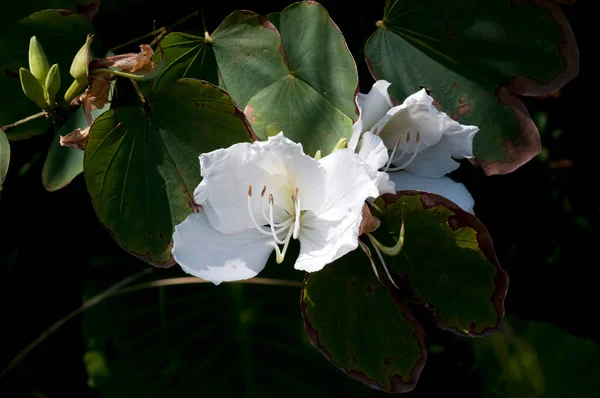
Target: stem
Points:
(169, 28)
(133, 41)
(119, 289)
(22, 121)
(139, 92)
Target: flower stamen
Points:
(385, 268)
(414, 155)
(297, 220)
(258, 227)
(271, 222)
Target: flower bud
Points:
(52, 83)
(79, 66)
(32, 88)
(38, 63)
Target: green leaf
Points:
(4, 156)
(474, 58)
(141, 164)
(361, 327)
(302, 82)
(449, 260)
(180, 338)
(61, 35)
(314, 102)
(537, 359)
(63, 164)
(186, 55)
(21, 9)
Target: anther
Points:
(250, 190)
(262, 193)
(408, 136)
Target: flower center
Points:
(403, 152)
(290, 227)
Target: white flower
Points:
(443, 186)
(419, 138)
(258, 196)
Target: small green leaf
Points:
(52, 83)
(537, 359)
(361, 327)
(448, 258)
(4, 156)
(474, 57)
(141, 164)
(38, 63)
(32, 88)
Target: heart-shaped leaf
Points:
(61, 35)
(449, 260)
(141, 163)
(361, 327)
(474, 58)
(537, 359)
(301, 80)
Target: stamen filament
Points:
(258, 227)
(280, 254)
(409, 161)
(389, 162)
(271, 222)
(385, 268)
(297, 220)
(368, 253)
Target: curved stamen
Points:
(385, 268)
(271, 223)
(414, 155)
(258, 227)
(396, 145)
(368, 253)
(280, 254)
(297, 220)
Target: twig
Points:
(22, 121)
(58, 324)
(133, 41)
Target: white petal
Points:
(437, 160)
(222, 194)
(206, 253)
(443, 186)
(372, 151)
(327, 237)
(372, 106)
(281, 165)
(349, 181)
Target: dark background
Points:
(543, 219)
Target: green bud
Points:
(74, 90)
(32, 88)
(80, 64)
(38, 63)
(52, 83)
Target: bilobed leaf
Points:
(300, 79)
(141, 163)
(474, 57)
(361, 327)
(537, 359)
(449, 260)
(61, 35)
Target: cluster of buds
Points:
(40, 82)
